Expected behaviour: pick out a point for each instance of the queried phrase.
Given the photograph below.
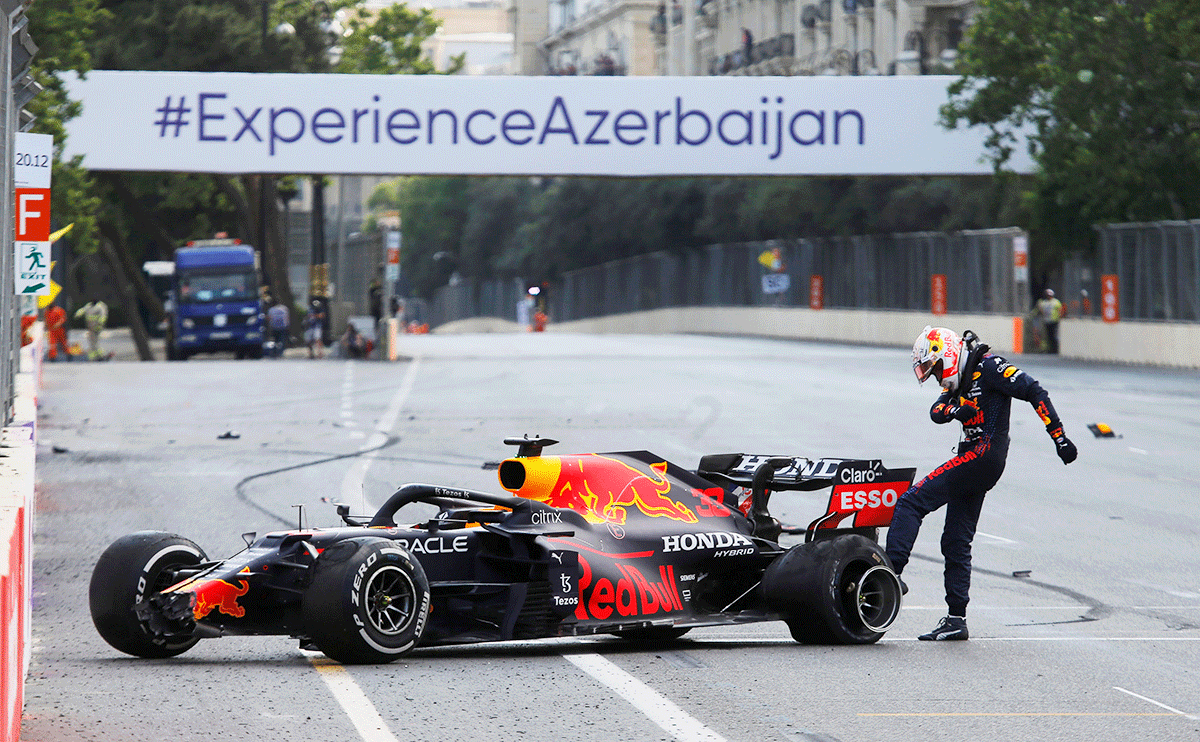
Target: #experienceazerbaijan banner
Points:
(433, 124)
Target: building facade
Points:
(744, 37)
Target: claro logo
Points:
(857, 476)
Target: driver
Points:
(977, 390)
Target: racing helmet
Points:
(938, 352)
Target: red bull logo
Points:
(218, 595)
(630, 595)
(600, 488)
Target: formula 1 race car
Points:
(620, 543)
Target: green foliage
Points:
(388, 42)
(61, 31)
(214, 36)
(154, 210)
(537, 228)
(1108, 93)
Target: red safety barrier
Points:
(16, 539)
(13, 570)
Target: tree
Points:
(156, 212)
(538, 228)
(389, 42)
(62, 32)
(1107, 93)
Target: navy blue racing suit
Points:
(982, 405)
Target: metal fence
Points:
(355, 264)
(474, 298)
(10, 333)
(867, 272)
(864, 272)
(1157, 270)
(1156, 267)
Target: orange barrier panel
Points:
(1018, 340)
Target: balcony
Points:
(774, 56)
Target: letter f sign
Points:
(33, 218)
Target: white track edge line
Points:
(658, 708)
(363, 715)
(1156, 703)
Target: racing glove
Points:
(1062, 445)
(965, 410)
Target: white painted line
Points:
(660, 710)
(768, 641)
(701, 641)
(1156, 703)
(370, 725)
(1068, 608)
(1001, 539)
(1142, 451)
(352, 482)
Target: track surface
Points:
(1100, 642)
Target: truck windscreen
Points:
(204, 288)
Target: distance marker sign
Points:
(31, 199)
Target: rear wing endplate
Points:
(863, 490)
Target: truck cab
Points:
(215, 303)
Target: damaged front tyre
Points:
(128, 573)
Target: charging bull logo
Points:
(600, 488)
(219, 595)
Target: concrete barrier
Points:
(16, 537)
(1149, 343)
(835, 325)
(476, 325)
(1142, 343)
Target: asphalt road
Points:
(1100, 642)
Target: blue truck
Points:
(215, 303)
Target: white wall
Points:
(1150, 343)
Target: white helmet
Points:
(939, 352)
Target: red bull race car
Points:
(618, 543)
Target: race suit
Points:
(961, 483)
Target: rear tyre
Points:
(652, 635)
(368, 601)
(129, 571)
(837, 591)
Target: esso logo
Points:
(851, 499)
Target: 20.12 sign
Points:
(31, 200)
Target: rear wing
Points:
(787, 472)
(864, 492)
